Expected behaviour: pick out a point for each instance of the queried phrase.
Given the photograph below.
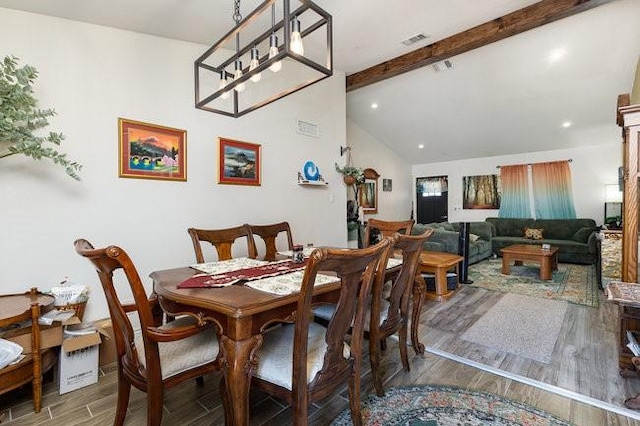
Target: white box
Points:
(78, 363)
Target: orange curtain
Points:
(515, 192)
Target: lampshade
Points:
(612, 194)
(282, 46)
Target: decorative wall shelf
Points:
(312, 183)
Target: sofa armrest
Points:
(592, 242)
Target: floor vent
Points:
(308, 129)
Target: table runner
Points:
(283, 285)
(268, 269)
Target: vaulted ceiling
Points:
(503, 90)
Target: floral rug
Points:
(430, 405)
(573, 283)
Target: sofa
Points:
(445, 238)
(576, 239)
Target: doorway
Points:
(432, 195)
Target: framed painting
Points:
(387, 184)
(149, 151)
(239, 163)
(481, 192)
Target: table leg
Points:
(237, 366)
(419, 289)
(441, 282)
(506, 261)
(545, 269)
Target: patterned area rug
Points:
(573, 283)
(429, 405)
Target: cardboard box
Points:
(50, 336)
(78, 362)
(108, 353)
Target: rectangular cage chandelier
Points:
(265, 57)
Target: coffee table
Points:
(517, 253)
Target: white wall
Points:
(92, 75)
(369, 152)
(592, 168)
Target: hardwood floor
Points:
(584, 362)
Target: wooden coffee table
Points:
(517, 253)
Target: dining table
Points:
(242, 310)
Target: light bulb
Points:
(296, 38)
(223, 84)
(254, 64)
(273, 51)
(237, 74)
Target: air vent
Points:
(307, 129)
(414, 39)
(442, 65)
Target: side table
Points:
(15, 309)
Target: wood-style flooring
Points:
(584, 362)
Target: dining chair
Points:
(222, 240)
(302, 362)
(386, 228)
(390, 315)
(162, 355)
(269, 235)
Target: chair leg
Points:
(354, 400)
(224, 396)
(374, 358)
(402, 342)
(155, 401)
(200, 381)
(124, 389)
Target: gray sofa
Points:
(575, 238)
(445, 238)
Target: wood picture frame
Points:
(481, 192)
(150, 151)
(239, 163)
(369, 192)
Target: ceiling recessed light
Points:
(566, 124)
(374, 105)
(421, 146)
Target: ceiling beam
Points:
(533, 16)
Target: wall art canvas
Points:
(150, 151)
(481, 192)
(239, 163)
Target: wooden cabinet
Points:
(15, 310)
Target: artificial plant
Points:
(20, 119)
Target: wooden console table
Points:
(16, 309)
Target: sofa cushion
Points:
(582, 234)
(533, 233)
(509, 227)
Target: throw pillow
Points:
(473, 237)
(582, 234)
(533, 233)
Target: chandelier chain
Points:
(237, 17)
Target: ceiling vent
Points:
(307, 129)
(414, 39)
(442, 65)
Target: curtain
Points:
(515, 192)
(552, 192)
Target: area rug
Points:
(430, 405)
(521, 325)
(573, 283)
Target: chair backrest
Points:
(269, 235)
(356, 269)
(222, 240)
(410, 247)
(106, 261)
(386, 228)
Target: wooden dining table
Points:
(242, 314)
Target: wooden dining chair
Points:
(269, 235)
(223, 241)
(304, 361)
(390, 315)
(386, 228)
(163, 355)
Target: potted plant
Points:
(20, 118)
(351, 174)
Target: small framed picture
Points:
(149, 151)
(386, 185)
(239, 163)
